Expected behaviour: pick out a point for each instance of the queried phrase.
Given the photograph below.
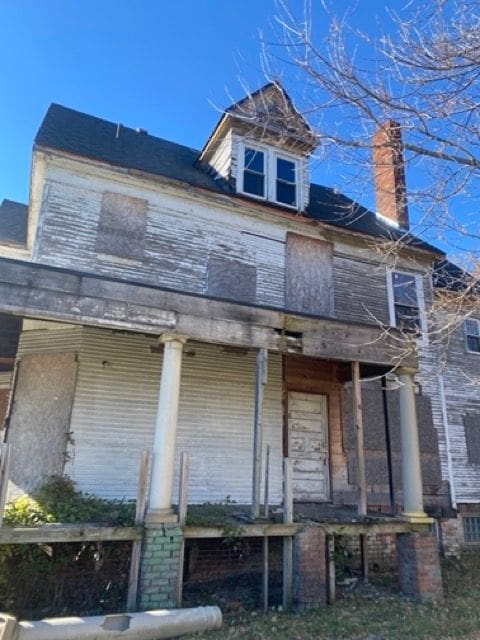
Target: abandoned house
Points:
(218, 304)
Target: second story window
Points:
(286, 182)
(254, 172)
(472, 335)
(405, 292)
(266, 173)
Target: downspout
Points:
(149, 625)
(453, 495)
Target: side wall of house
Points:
(462, 402)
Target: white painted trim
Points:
(423, 340)
(270, 157)
(446, 426)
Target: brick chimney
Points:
(389, 173)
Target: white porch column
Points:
(411, 470)
(160, 505)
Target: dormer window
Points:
(269, 174)
(254, 172)
(286, 182)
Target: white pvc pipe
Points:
(148, 625)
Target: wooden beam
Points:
(62, 295)
(282, 530)
(287, 540)
(62, 533)
(140, 508)
(331, 578)
(247, 531)
(358, 424)
(260, 381)
(182, 519)
(265, 573)
(4, 476)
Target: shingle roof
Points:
(448, 275)
(84, 135)
(13, 222)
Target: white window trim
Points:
(477, 353)
(270, 155)
(423, 339)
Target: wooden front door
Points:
(308, 446)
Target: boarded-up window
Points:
(121, 227)
(309, 276)
(471, 422)
(231, 279)
(40, 418)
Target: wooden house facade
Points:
(216, 303)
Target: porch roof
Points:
(52, 293)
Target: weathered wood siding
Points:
(461, 378)
(115, 405)
(184, 234)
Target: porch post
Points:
(411, 470)
(160, 505)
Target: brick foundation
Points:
(159, 571)
(309, 568)
(451, 536)
(419, 566)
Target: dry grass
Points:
(375, 614)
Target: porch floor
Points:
(335, 519)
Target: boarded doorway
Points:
(308, 446)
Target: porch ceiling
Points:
(57, 294)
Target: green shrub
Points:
(38, 580)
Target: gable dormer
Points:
(261, 146)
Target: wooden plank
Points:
(309, 275)
(140, 508)
(4, 476)
(287, 491)
(61, 533)
(364, 555)
(331, 581)
(183, 488)
(260, 381)
(287, 572)
(248, 531)
(356, 528)
(182, 518)
(287, 540)
(266, 505)
(358, 420)
(265, 571)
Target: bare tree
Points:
(423, 74)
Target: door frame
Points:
(326, 395)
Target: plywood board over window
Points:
(309, 276)
(471, 422)
(39, 422)
(121, 226)
(231, 279)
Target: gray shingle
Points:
(13, 222)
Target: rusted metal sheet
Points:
(309, 275)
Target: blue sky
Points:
(161, 65)
(166, 66)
